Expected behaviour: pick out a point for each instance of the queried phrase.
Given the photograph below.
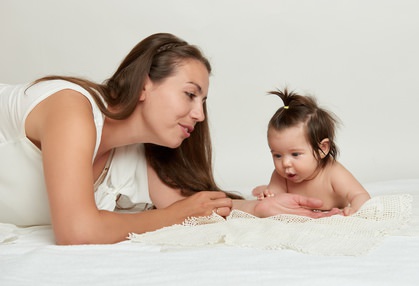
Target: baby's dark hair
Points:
(318, 122)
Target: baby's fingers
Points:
(257, 191)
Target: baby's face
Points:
(292, 154)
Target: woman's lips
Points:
(187, 130)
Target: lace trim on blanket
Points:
(335, 235)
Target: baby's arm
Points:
(347, 186)
(356, 202)
(277, 185)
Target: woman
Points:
(72, 150)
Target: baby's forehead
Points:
(289, 136)
(298, 129)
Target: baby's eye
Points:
(296, 154)
(277, 156)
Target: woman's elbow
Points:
(73, 238)
(77, 234)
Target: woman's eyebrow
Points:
(197, 85)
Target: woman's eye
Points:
(190, 94)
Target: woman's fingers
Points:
(286, 203)
(321, 214)
(205, 203)
(306, 202)
(222, 206)
(223, 211)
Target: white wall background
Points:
(359, 57)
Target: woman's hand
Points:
(286, 203)
(203, 203)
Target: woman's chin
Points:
(174, 145)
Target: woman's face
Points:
(172, 107)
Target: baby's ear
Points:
(324, 146)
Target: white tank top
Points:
(23, 196)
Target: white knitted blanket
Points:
(335, 235)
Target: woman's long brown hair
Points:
(188, 167)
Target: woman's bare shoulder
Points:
(65, 110)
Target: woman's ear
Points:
(146, 88)
(324, 146)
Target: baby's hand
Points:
(347, 211)
(259, 190)
(262, 192)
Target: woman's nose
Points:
(197, 113)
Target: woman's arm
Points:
(63, 127)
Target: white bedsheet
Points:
(33, 259)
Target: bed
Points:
(28, 256)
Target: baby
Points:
(301, 136)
